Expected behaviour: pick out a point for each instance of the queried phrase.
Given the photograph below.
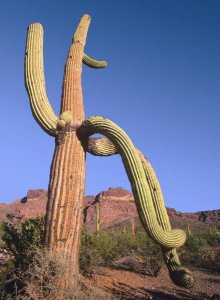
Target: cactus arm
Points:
(92, 63)
(100, 147)
(170, 239)
(35, 81)
(180, 275)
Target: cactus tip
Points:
(182, 277)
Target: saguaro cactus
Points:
(97, 219)
(67, 176)
(104, 147)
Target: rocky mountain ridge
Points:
(116, 207)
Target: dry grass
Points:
(41, 282)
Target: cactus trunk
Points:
(67, 175)
(67, 178)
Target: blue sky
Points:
(162, 86)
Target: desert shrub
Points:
(22, 240)
(202, 250)
(1, 235)
(41, 278)
(200, 240)
(194, 243)
(213, 239)
(5, 271)
(149, 251)
(103, 249)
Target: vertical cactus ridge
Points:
(81, 30)
(35, 80)
(72, 89)
(179, 275)
(156, 193)
(66, 191)
(170, 239)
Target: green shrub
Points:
(194, 243)
(5, 271)
(23, 239)
(103, 249)
(1, 235)
(213, 240)
(202, 250)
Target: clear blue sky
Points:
(162, 86)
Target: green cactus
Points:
(180, 276)
(92, 63)
(189, 229)
(136, 175)
(67, 176)
(97, 208)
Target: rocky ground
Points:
(133, 286)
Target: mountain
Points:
(116, 208)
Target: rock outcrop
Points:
(116, 207)
(31, 206)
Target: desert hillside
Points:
(116, 207)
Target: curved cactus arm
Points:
(35, 81)
(100, 147)
(92, 63)
(180, 275)
(170, 239)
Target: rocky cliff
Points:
(116, 207)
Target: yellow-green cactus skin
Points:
(92, 63)
(136, 175)
(179, 275)
(35, 80)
